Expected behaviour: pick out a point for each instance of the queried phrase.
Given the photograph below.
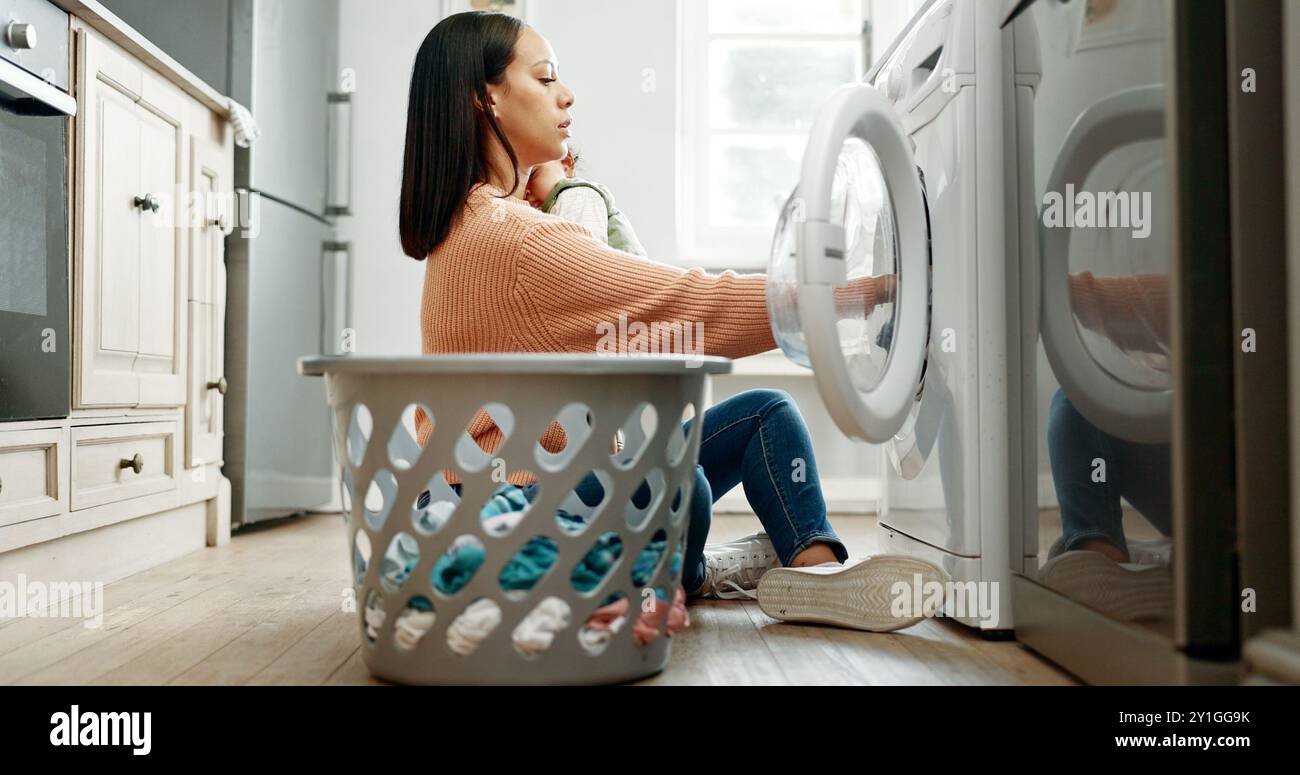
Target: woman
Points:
(486, 106)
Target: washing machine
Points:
(895, 276)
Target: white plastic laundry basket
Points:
(415, 628)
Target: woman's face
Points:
(532, 104)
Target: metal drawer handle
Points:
(136, 463)
(147, 202)
(220, 385)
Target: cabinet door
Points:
(107, 271)
(210, 171)
(160, 361)
(203, 410)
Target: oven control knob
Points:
(19, 35)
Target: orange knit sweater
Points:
(1131, 310)
(509, 278)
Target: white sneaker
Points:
(734, 568)
(1127, 591)
(859, 595)
(1150, 551)
(1141, 551)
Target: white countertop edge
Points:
(105, 22)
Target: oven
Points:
(35, 127)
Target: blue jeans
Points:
(1090, 509)
(756, 439)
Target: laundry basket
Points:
(612, 498)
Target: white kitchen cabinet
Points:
(116, 462)
(130, 263)
(33, 474)
(203, 411)
(211, 170)
(144, 438)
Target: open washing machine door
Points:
(848, 279)
(1115, 371)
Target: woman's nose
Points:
(567, 98)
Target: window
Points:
(753, 75)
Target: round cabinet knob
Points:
(147, 202)
(136, 463)
(220, 385)
(20, 36)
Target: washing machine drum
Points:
(860, 205)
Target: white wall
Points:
(620, 58)
(378, 41)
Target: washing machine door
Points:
(848, 280)
(1104, 320)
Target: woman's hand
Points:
(862, 295)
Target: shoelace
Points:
(725, 586)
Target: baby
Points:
(553, 188)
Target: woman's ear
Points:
(491, 92)
(491, 104)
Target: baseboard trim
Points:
(112, 552)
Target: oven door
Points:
(35, 350)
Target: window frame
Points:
(742, 248)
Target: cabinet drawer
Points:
(103, 458)
(31, 481)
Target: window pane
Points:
(750, 177)
(836, 17)
(768, 85)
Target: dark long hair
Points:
(448, 117)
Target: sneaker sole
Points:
(1100, 583)
(858, 597)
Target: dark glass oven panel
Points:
(35, 348)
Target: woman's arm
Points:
(571, 292)
(585, 207)
(859, 296)
(1131, 311)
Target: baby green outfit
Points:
(620, 232)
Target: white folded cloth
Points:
(246, 130)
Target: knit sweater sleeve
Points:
(572, 290)
(1131, 311)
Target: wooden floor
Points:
(266, 609)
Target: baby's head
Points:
(545, 176)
